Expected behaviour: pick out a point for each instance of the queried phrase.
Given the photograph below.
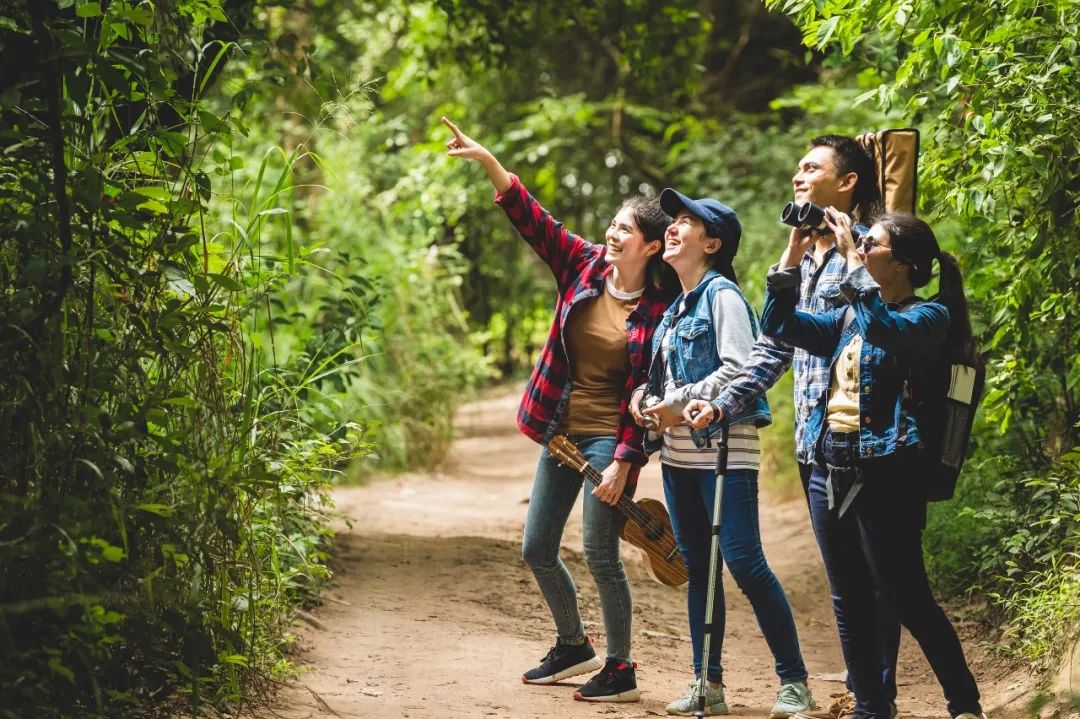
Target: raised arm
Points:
(818, 334)
(563, 251)
(767, 363)
(915, 332)
(465, 147)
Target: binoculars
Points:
(812, 217)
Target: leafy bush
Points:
(165, 479)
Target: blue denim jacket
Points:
(693, 354)
(895, 343)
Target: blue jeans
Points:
(876, 549)
(555, 490)
(888, 624)
(690, 497)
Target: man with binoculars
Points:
(835, 172)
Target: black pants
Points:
(875, 550)
(888, 624)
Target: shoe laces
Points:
(789, 693)
(559, 648)
(694, 689)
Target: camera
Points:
(812, 217)
(651, 422)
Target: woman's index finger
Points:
(453, 128)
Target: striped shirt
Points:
(679, 450)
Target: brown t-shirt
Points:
(599, 360)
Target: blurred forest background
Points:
(236, 267)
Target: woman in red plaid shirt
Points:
(610, 299)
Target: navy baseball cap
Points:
(708, 210)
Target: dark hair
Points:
(721, 260)
(853, 157)
(653, 223)
(914, 243)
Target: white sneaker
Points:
(687, 704)
(792, 699)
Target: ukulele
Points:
(647, 524)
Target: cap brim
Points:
(672, 201)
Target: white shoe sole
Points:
(590, 665)
(628, 696)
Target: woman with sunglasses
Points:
(867, 497)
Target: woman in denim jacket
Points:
(867, 497)
(702, 341)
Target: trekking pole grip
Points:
(722, 448)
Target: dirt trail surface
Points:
(432, 612)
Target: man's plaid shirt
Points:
(580, 271)
(819, 291)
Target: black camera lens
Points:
(811, 217)
(790, 214)
(700, 437)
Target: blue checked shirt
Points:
(819, 291)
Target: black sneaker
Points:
(563, 661)
(616, 682)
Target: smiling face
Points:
(817, 180)
(626, 245)
(686, 246)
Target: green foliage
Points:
(165, 479)
(992, 86)
(1020, 540)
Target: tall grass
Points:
(165, 484)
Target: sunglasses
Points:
(869, 243)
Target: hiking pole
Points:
(714, 554)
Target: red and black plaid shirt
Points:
(580, 270)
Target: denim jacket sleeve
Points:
(818, 334)
(917, 332)
(563, 251)
(734, 342)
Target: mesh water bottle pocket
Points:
(955, 429)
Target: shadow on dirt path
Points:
(432, 613)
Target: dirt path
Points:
(432, 613)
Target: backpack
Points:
(896, 159)
(943, 399)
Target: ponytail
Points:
(914, 242)
(951, 294)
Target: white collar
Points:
(619, 294)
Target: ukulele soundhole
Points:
(654, 531)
